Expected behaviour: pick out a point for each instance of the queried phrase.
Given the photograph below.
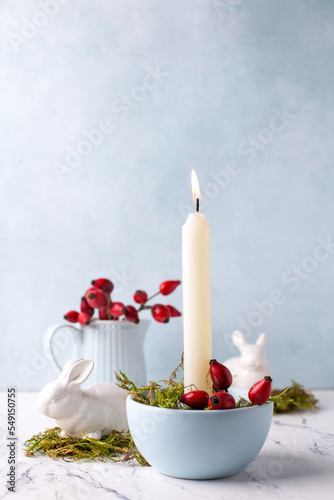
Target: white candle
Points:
(196, 296)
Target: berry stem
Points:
(152, 296)
(143, 306)
(108, 308)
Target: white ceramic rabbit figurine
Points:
(252, 365)
(94, 411)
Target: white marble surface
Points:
(296, 462)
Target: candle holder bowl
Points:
(199, 444)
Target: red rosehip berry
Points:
(103, 313)
(260, 392)
(140, 297)
(168, 287)
(96, 298)
(71, 316)
(221, 401)
(85, 307)
(160, 313)
(173, 313)
(90, 290)
(116, 309)
(103, 284)
(84, 319)
(131, 314)
(195, 399)
(220, 375)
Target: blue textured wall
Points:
(240, 91)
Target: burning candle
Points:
(196, 296)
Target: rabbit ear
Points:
(68, 366)
(261, 340)
(238, 339)
(78, 373)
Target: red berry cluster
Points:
(98, 296)
(221, 378)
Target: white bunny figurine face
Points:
(93, 412)
(251, 366)
(53, 400)
(251, 354)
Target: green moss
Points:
(243, 403)
(118, 446)
(164, 393)
(293, 398)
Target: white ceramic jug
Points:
(112, 345)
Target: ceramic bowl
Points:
(199, 444)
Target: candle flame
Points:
(195, 186)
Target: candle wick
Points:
(197, 205)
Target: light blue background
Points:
(232, 67)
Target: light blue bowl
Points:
(199, 444)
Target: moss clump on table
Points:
(117, 446)
(294, 398)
